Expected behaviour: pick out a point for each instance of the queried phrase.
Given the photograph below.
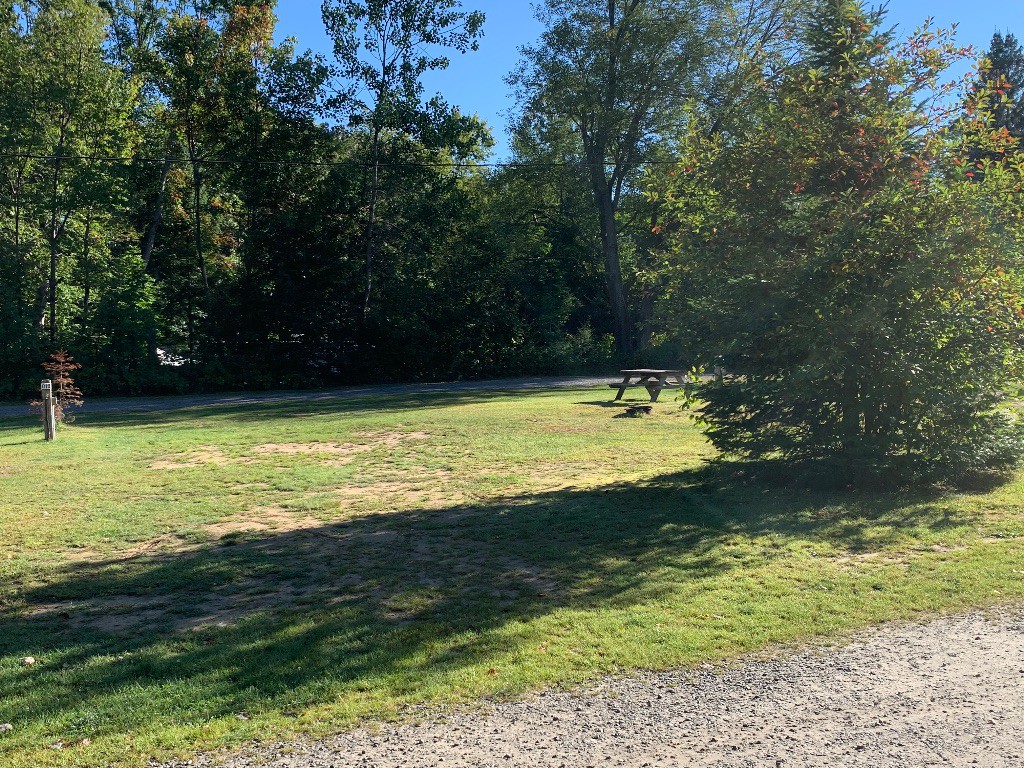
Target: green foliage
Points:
(602, 86)
(608, 86)
(60, 99)
(267, 217)
(20, 347)
(383, 48)
(279, 220)
(856, 278)
(1002, 77)
(116, 350)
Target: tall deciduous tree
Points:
(21, 131)
(620, 73)
(136, 27)
(383, 48)
(210, 69)
(623, 74)
(61, 101)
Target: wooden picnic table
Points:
(653, 379)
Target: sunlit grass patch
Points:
(472, 545)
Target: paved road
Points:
(137, 404)
(947, 693)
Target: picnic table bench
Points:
(653, 379)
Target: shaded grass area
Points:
(425, 550)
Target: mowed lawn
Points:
(192, 579)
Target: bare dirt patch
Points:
(82, 554)
(308, 449)
(169, 542)
(115, 614)
(202, 456)
(273, 519)
(278, 519)
(341, 453)
(393, 439)
(425, 490)
(853, 559)
(291, 558)
(222, 610)
(520, 573)
(338, 454)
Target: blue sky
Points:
(475, 81)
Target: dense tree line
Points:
(780, 188)
(188, 204)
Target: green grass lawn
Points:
(191, 579)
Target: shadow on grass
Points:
(625, 402)
(385, 603)
(16, 424)
(391, 404)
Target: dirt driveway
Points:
(949, 692)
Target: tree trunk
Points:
(87, 288)
(613, 270)
(18, 188)
(54, 247)
(149, 245)
(197, 182)
(158, 212)
(191, 326)
(42, 302)
(851, 411)
(372, 223)
(646, 324)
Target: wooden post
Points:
(49, 417)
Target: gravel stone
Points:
(949, 692)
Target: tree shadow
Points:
(624, 403)
(19, 423)
(287, 619)
(391, 404)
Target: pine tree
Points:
(1003, 72)
(855, 271)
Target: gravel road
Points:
(143, 404)
(949, 692)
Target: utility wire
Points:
(317, 163)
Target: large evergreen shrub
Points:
(859, 281)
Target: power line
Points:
(318, 163)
